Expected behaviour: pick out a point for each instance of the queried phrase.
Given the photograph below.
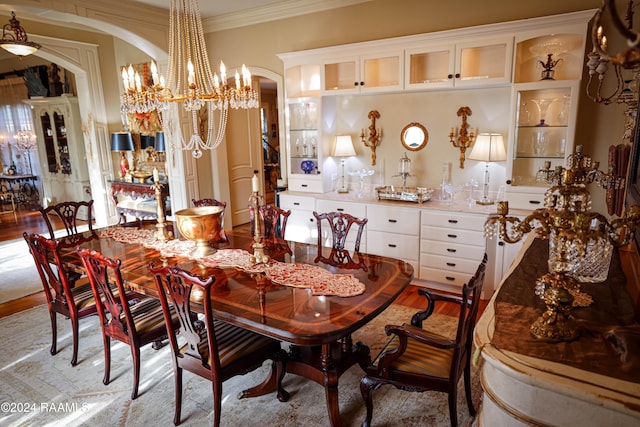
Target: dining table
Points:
(298, 297)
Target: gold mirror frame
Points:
(414, 137)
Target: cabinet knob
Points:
(500, 243)
(393, 221)
(453, 221)
(340, 210)
(355, 83)
(534, 202)
(457, 75)
(449, 76)
(361, 83)
(453, 236)
(451, 264)
(391, 245)
(508, 182)
(451, 250)
(451, 279)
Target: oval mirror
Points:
(414, 137)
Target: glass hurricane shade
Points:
(343, 147)
(488, 147)
(15, 39)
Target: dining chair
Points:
(419, 360)
(73, 303)
(214, 349)
(274, 220)
(67, 213)
(340, 223)
(208, 202)
(7, 199)
(135, 322)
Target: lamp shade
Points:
(488, 147)
(121, 141)
(160, 142)
(147, 141)
(343, 147)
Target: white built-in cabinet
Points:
(373, 72)
(61, 149)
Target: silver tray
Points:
(408, 194)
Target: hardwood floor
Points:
(32, 222)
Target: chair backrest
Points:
(113, 309)
(471, 292)
(175, 287)
(274, 220)
(340, 223)
(67, 213)
(208, 202)
(50, 269)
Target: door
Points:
(244, 156)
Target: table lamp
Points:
(159, 146)
(343, 148)
(122, 141)
(488, 147)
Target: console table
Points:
(23, 188)
(592, 381)
(138, 199)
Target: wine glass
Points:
(543, 105)
(452, 190)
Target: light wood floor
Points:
(31, 222)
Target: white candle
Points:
(191, 79)
(255, 183)
(156, 175)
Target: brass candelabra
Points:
(258, 257)
(576, 236)
(162, 233)
(464, 137)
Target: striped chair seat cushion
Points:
(420, 358)
(234, 342)
(147, 314)
(82, 294)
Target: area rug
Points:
(39, 389)
(18, 274)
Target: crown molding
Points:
(275, 11)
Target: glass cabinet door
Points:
(542, 134)
(49, 143)
(63, 144)
(304, 137)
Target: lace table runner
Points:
(317, 279)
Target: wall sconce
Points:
(122, 141)
(462, 138)
(375, 135)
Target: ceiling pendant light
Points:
(15, 39)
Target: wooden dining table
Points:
(318, 327)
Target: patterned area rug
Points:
(40, 389)
(18, 274)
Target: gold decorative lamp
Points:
(488, 148)
(462, 138)
(577, 237)
(342, 148)
(122, 142)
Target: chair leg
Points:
(177, 373)
(107, 358)
(54, 332)
(74, 331)
(453, 412)
(217, 401)
(135, 353)
(367, 386)
(467, 390)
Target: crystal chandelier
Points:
(15, 39)
(190, 82)
(598, 60)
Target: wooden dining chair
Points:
(8, 204)
(274, 220)
(419, 360)
(133, 322)
(339, 224)
(67, 214)
(73, 303)
(214, 350)
(208, 202)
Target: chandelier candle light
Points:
(488, 148)
(189, 81)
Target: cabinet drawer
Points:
(456, 265)
(465, 237)
(393, 220)
(393, 245)
(443, 276)
(359, 210)
(449, 249)
(453, 220)
(295, 203)
(306, 186)
(528, 201)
